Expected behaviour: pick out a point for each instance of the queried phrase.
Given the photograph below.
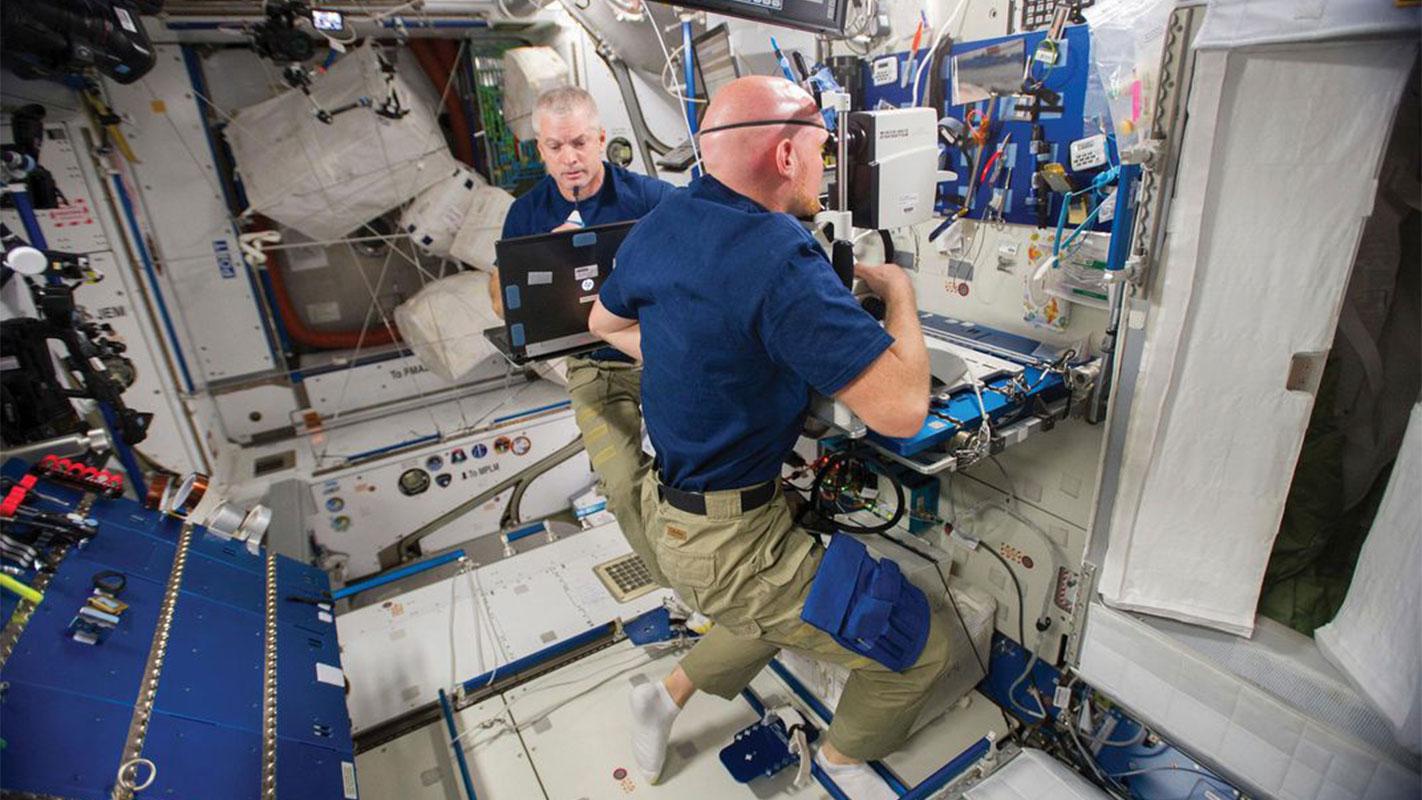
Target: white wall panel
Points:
(206, 282)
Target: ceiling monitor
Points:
(816, 16)
(715, 63)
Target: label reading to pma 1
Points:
(223, 254)
(407, 371)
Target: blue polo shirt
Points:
(624, 195)
(741, 316)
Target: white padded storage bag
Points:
(483, 222)
(435, 217)
(444, 324)
(327, 179)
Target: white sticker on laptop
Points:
(540, 278)
(587, 299)
(590, 271)
(588, 284)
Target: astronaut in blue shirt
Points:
(582, 190)
(737, 315)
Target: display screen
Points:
(327, 20)
(819, 16)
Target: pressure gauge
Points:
(414, 481)
(619, 151)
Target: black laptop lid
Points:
(549, 283)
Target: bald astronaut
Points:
(737, 314)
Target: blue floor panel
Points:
(60, 743)
(45, 656)
(313, 772)
(65, 707)
(213, 672)
(198, 759)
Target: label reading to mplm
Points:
(590, 271)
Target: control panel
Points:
(360, 510)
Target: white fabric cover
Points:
(444, 324)
(529, 72)
(435, 217)
(1267, 745)
(1034, 775)
(483, 222)
(1234, 23)
(326, 180)
(1272, 193)
(1376, 638)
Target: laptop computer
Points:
(549, 283)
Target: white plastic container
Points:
(528, 73)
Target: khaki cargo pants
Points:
(607, 399)
(751, 572)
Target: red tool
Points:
(16, 496)
(993, 160)
(81, 475)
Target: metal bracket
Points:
(1085, 590)
(269, 683)
(153, 672)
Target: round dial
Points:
(413, 481)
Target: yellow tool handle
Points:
(21, 589)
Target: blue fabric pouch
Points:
(867, 605)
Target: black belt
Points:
(695, 502)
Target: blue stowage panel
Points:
(1070, 79)
(66, 707)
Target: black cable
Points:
(1006, 720)
(1021, 598)
(110, 580)
(977, 655)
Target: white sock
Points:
(857, 781)
(653, 712)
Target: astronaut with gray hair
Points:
(605, 386)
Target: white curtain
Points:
(1276, 178)
(1233, 23)
(1376, 638)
